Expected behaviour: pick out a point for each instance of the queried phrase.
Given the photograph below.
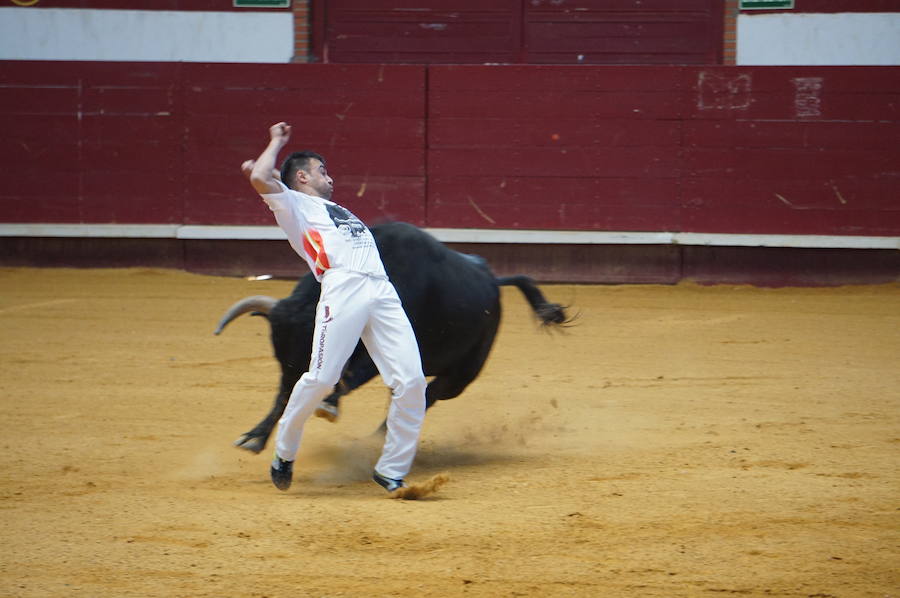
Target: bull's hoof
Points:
(327, 411)
(254, 444)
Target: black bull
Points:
(453, 303)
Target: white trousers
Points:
(355, 306)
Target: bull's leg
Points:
(255, 440)
(452, 383)
(359, 370)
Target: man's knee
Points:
(413, 385)
(315, 384)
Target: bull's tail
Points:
(257, 304)
(550, 314)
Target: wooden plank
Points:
(28, 195)
(40, 73)
(553, 203)
(555, 103)
(617, 6)
(163, 130)
(309, 103)
(793, 93)
(797, 134)
(35, 142)
(789, 164)
(621, 37)
(415, 38)
(39, 100)
(123, 197)
(630, 162)
(414, 8)
(22, 130)
(439, 31)
(559, 133)
(825, 191)
(42, 155)
(316, 79)
(532, 78)
(229, 199)
(342, 160)
(787, 221)
(133, 75)
(146, 101)
(223, 199)
(391, 132)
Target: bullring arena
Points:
(679, 440)
(711, 186)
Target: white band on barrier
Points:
(459, 235)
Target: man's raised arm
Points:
(263, 175)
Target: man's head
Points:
(306, 172)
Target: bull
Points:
(452, 301)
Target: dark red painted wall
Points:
(162, 142)
(805, 150)
(520, 31)
(714, 149)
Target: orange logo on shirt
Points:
(315, 248)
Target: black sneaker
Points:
(282, 471)
(388, 484)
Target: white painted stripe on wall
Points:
(455, 235)
(110, 231)
(557, 237)
(807, 241)
(818, 39)
(145, 35)
(247, 233)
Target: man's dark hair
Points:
(297, 161)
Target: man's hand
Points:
(280, 132)
(247, 167)
(263, 175)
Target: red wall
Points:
(805, 150)
(520, 31)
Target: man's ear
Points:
(302, 177)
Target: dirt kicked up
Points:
(679, 441)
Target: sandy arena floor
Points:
(680, 441)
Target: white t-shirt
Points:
(325, 234)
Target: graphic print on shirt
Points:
(349, 225)
(315, 248)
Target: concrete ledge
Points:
(464, 236)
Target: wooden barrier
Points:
(162, 142)
(763, 150)
(719, 150)
(709, 150)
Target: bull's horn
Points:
(259, 303)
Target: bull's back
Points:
(452, 299)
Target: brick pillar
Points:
(729, 55)
(302, 27)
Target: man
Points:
(357, 302)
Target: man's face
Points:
(315, 176)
